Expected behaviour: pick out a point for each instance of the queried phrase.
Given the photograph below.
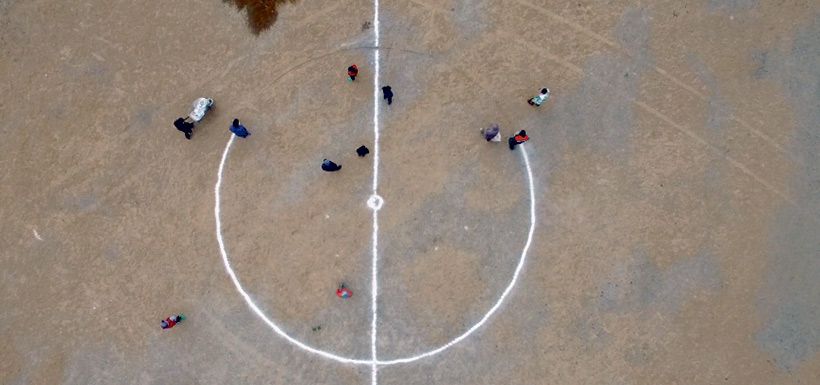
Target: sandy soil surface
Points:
(676, 175)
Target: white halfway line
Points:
(242, 291)
(504, 294)
(377, 203)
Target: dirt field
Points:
(676, 171)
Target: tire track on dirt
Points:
(71, 179)
(678, 126)
(617, 47)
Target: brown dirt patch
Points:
(261, 13)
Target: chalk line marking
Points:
(375, 202)
(242, 291)
(37, 235)
(507, 290)
(370, 362)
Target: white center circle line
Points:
(506, 291)
(241, 290)
(375, 202)
(346, 360)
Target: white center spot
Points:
(375, 202)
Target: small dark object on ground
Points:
(330, 166)
(362, 151)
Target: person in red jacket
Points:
(520, 137)
(343, 292)
(171, 321)
(352, 71)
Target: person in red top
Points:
(171, 321)
(343, 292)
(520, 137)
(352, 71)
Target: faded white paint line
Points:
(375, 203)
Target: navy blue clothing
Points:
(240, 131)
(388, 94)
(329, 166)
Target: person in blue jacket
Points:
(238, 129)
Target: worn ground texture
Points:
(676, 168)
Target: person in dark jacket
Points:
(186, 127)
(388, 94)
(329, 166)
(238, 129)
(362, 151)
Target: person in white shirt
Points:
(539, 99)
